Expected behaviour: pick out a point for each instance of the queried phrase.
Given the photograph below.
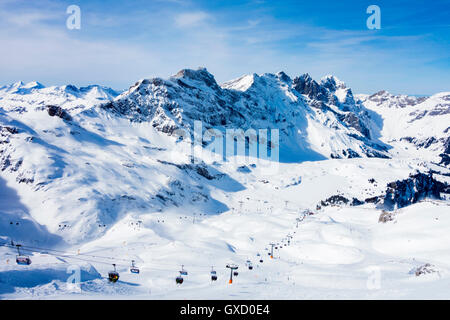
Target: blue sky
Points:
(122, 41)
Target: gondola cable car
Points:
(213, 274)
(22, 260)
(113, 275)
(179, 279)
(233, 272)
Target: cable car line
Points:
(113, 275)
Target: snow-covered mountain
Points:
(416, 123)
(316, 121)
(19, 96)
(93, 170)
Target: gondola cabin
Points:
(213, 274)
(113, 276)
(23, 260)
(179, 280)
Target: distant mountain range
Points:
(90, 154)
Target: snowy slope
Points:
(311, 128)
(417, 125)
(21, 97)
(102, 178)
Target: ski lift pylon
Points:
(233, 271)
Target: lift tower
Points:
(232, 268)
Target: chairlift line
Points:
(46, 251)
(113, 275)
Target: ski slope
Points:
(102, 180)
(332, 253)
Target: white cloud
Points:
(190, 19)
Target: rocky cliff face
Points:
(418, 186)
(316, 118)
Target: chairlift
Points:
(113, 276)
(133, 268)
(22, 259)
(183, 272)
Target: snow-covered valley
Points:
(91, 177)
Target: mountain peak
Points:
(17, 84)
(199, 75)
(332, 83)
(33, 85)
(242, 83)
(20, 87)
(304, 84)
(283, 76)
